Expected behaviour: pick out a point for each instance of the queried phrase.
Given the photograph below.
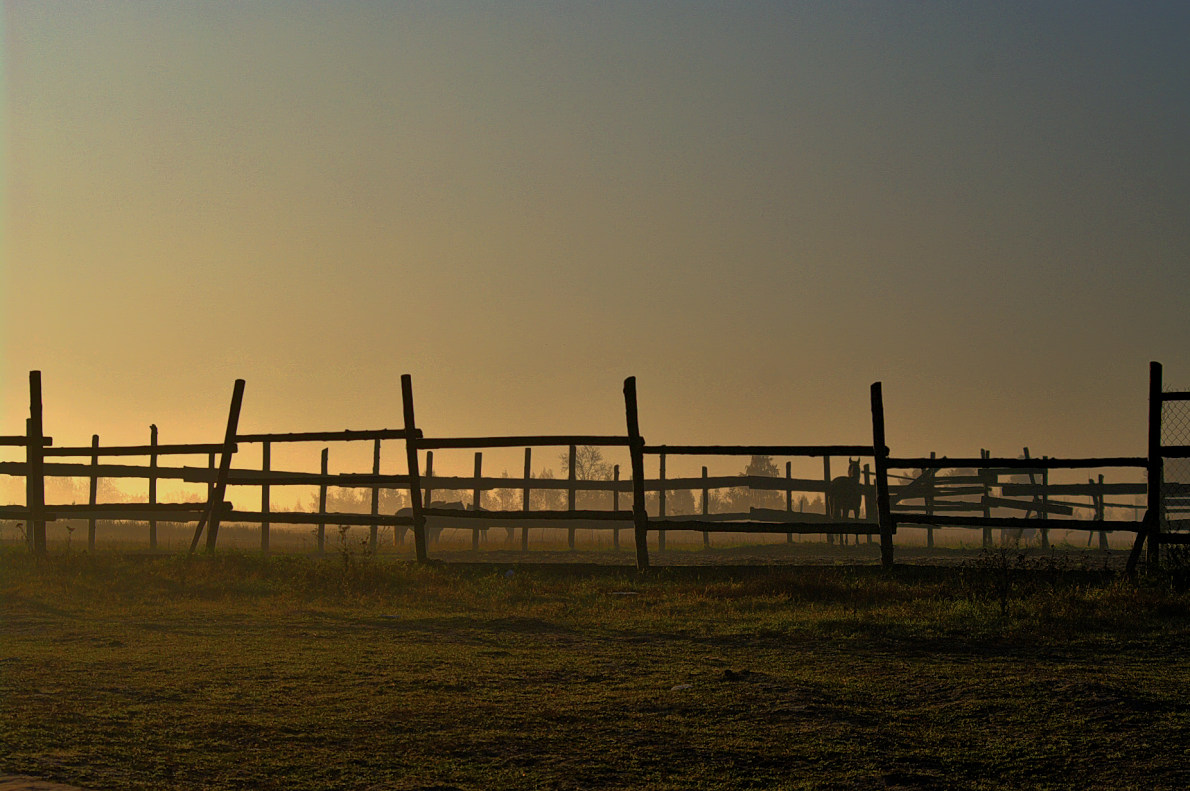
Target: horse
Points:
(843, 494)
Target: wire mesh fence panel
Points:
(1175, 488)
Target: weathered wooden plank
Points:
(1016, 464)
(761, 450)
(559, 440)
(1049, 507)
(941, 520)
(10, 441)
(139, 450)
(1083, 489)
(816, 528)
(581, 514)
(322, 518)
(347, 435)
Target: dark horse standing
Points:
(843, 494)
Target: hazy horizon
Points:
(756, 209)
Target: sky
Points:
(757, 209)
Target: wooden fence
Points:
(975, 495)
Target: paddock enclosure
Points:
(1133, 503)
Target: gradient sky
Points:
(757, 209)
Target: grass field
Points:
(236, 671)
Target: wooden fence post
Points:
(374, 530)
(826, 478)
(1101, 513)
(661, 503)
(636, 448)
(153, 484)
(788, 496)
(880, 450)
(215, 501)
(616, 505)
(570, 494)
(987, 492)
(475, 495)
(321, 538)
(706, 506)
(419, 521)
(93, 492)
(525, 498)
(929, 500)
(428, 496)
(266, 464)
(868, 499)
(1045, 503)
(34, 470)
(1154, 472)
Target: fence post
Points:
(153, 484)
(321, 539)
(880, 451)
(1154, 472)
(1045, 504)
(868, 501)
(826, 508)
(1156, 464)
(428, 496)
(1101, 513)
(987, 492)
(525, 498)
(929, 500)
(266, 464)
(475, 498)
(374, 529)
(616, 505)
(636, 448)
(34, 470)
(788, 496)
(93, 492)
(419, 521)
(706, 534)
(215, 500)
(661, 503)
(570, 494)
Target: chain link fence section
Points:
(1175, 488)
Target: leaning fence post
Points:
(35, 469)
(880, 451)
(636, 448)
(419, 521)
(215, 504)
(93, 492)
